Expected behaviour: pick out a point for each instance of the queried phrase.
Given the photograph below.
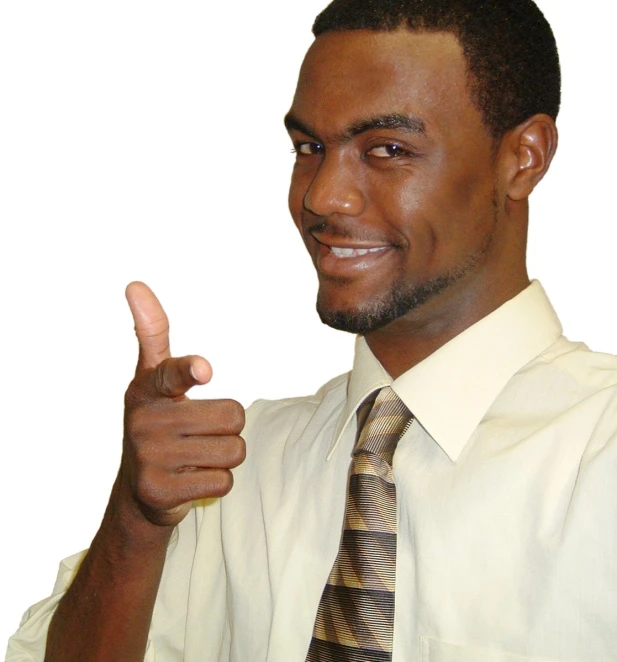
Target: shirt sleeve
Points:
(28, 643)
(190, 617)
(168, 628)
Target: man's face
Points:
(393, 189)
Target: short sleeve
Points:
(28, 643)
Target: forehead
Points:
(348, 76)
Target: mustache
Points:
(334, 229)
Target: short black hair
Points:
(509, 46)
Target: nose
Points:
(335, 189)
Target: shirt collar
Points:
(451, 390)
(367, 376)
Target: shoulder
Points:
(283, 434)
(569, 388)
(265, 415)
(573, 363)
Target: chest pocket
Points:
(439, 651)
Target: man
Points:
(420, 131)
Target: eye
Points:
(308, 149)
(389, 152)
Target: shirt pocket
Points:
(439, 651)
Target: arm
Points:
(175, 450)
(106, 612)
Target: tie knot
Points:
(386, 423)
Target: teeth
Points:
(354, 252)
(343, 252)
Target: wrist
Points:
(125, 520)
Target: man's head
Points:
(415, 156)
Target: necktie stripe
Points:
(366, 559)
(371, 465)
(325, 651)
(355, 618)
(369, 500)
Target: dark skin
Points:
(431, 198)
(175, 450)
(396, 162)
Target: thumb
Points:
(151, 325)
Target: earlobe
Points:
(532, 146)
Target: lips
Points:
(347, 261)
(344, 250)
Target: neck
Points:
(402, 344)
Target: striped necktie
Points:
(355, 619)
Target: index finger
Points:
(151, 325)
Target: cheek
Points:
(395, 196)
(295, 199)
(407, 202)
(469, 182)
(437, 216)
(457, 203)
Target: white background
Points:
(144, 140)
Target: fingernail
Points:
(193, 375)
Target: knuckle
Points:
(133, 418)
(162, 379)
(133, 394)
(156, 334)
(151, 492)
(235, 415)
(143, 453)
(237, 451)
(138, 424)
(221, 482)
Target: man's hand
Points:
(176, 450)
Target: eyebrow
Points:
(409, 123)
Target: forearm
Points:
(106, 613)
(175, 451)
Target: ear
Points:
(530, 148)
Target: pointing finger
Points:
(151, 325)
(174, 377)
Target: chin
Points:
(354, 321)
(362, 319)
(381, 310)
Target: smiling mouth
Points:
(355, 252)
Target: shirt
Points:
(507, 509)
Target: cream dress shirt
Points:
(507, 507)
